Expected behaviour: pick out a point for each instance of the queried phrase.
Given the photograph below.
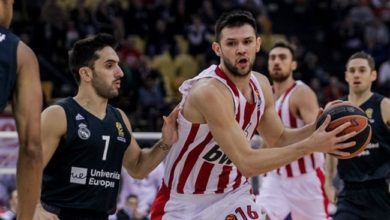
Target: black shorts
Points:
(75, 214)
(364, 201)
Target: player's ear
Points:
(374, 75)
(85, 73)
(294, 65)
(258, 43)
(217, 48)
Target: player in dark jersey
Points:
(365, 194)
(19, 80)
(86, 141)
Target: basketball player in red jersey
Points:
(298, 187)
(207, 169)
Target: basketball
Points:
(346, 112)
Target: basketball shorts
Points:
(47, 212)
(368, 200)
(236, 205)
(303, 196)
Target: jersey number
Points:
(107, 142)
(250, 213)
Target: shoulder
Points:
(54, 110)
(121, 112)
(303, 90)
(26, 57)
(54, 120)
(124, 118)
(208, 88)
(265, 88)
(263, 80)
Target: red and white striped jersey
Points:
(309, 162)
(195, 163)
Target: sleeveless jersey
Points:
(309, 162)
(196, 164)
(374, 162)
(8, 64)
(84, 172)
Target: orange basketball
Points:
(346, 112)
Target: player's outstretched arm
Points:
(214, 102)
(139, 163)
(27, 107)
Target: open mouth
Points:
(243, 61)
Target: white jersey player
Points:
(207, 169)
(298, 187)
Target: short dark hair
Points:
(84, 51)
(285, 45)
(235, 18)
(363, 55)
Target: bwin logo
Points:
(2, 37)
(216, 155)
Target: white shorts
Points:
(303, 196)
(238, 204)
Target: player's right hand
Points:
(329, 141)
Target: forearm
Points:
(264, 160)
(290, 136)
(29, 176)
(149, 159)
(330, 169)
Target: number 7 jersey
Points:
(84, 172)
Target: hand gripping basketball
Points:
(346, 112)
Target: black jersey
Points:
(84, 172)
(8, 64)
(374, 162)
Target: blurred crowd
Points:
(164, 42)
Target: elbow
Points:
(138, 175)
(33, 151)
(246, 169)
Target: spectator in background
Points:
(131, 210)
(151, 101)
(145, 189)
(197, 34)
(384, 73)
(82, 17)
(10, 214)
(334, 90)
